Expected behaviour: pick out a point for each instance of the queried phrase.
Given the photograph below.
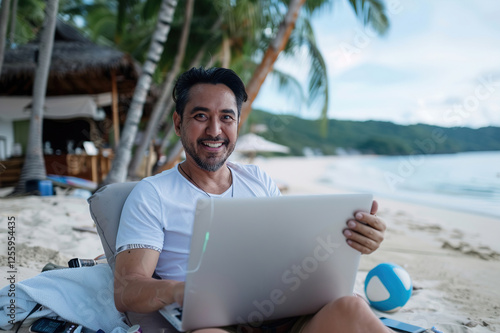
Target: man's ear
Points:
(177, 123)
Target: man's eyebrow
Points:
(204, 109)
(198, 108)
(230, 111)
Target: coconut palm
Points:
(152, 126)
(118, 172)
(271, 55)
(34, 165)
(370, 11)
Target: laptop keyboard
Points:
(178, 315)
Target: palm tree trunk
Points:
(34, 165)
(118, 172)
(13, 19)
(226, 52)
(275, 47)
(159, 109)
(170, 132)
(4, 20)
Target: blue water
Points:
(464, 181)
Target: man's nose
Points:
(213, 127)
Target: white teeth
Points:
(213, 145)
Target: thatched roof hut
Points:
(78, 66)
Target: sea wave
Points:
(464, 181)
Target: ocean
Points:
(464, 181)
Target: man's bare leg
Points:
(348, 314)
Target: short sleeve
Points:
(140, 223)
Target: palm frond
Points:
(289, 84)
(29, 19)
(315, 6)
(372, 13)
(303, 38)
(150, 9)
(124, 10)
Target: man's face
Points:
(209, 126)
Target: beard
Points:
(214, 161)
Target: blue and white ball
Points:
(388, 287)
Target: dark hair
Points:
(212, 75)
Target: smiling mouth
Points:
(213, 145)
(213, 142)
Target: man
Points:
(157, 217)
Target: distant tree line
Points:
(373, 137)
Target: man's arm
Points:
(366, 231)
(136, 290)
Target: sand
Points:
(452, 257)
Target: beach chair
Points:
(106, 206)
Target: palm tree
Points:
(303, 35)
(4, 20)
(271, 55)
(370, 11)
(34, 165)
(118, 172)
(166, 89)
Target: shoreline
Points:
(384, 176)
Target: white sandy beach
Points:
(452, 257)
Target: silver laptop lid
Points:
(256, 259)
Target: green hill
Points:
(373, 137)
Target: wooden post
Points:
(114, 107)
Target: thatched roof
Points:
(78, 66)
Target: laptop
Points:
(259, 259)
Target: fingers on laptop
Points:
(365, 233)
(362, 244)
(374, 209)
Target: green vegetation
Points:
(373, 137)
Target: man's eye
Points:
(227, 118)
(200, 116)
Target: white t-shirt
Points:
(159, 213)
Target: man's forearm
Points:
(143, 295)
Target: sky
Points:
(438, 64)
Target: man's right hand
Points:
(179, 293)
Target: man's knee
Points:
(339, 315)
(348, 305)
